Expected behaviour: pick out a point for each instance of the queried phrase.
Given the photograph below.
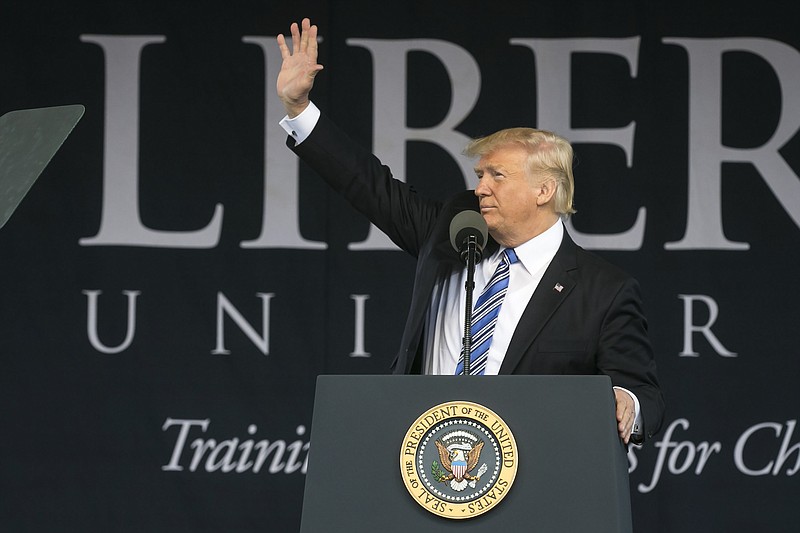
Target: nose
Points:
(482, 189)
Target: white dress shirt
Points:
(447, 312)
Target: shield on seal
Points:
(459, 469)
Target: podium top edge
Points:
(595, 378)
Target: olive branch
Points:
(436, 472)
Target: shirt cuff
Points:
(637, 421)
(301, 126)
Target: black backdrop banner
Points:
(176, 280)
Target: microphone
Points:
(468, 227)
(468, 234)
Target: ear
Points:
(547, 189)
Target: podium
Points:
(571, 473)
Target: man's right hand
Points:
(299, 68)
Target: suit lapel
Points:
(555, 286)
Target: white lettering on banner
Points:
(194, 452)
(91, 322)
(120, 223)
(389, 108)
(358, 348)
(261, 340)
(689, 328)
(678, 456)
(772, 467)
(225, 307)
(180, 442)
(553, 59)
(233, 454)
(706, 151)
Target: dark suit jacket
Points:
(593, 325)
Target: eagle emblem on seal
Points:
(459, 452)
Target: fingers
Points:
(295, 38)
(285, 54)
(625, 415)
(311, 44)
(304, 36)
(624, 429)
(308, 40)
(304, 41)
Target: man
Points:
(562, 309)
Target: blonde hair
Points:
(547, 152)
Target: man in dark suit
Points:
(564, 310)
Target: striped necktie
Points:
(484, 315)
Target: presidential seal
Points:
(458, 459)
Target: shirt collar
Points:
(538, 251)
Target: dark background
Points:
(83, 442)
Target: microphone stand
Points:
(471, 256)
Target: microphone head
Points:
(465, 224)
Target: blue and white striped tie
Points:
(484, 315)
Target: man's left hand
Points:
(626, 412)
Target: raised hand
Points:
(299, 67)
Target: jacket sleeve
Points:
(368, 185)
(625, 354)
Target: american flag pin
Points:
(559, 287)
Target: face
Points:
(514, 204)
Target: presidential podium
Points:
(571, 470)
